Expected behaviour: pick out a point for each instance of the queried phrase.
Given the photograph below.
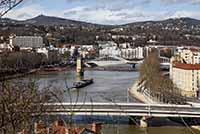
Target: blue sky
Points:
(108, 11)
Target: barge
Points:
(82, 83)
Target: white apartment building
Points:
(187, 78)
(110, 51)
(132, 53)
(26, 41)
(105, 44)
(185, 71)
(127, 53)
(190, 56)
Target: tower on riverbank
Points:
(79, 67)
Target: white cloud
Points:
(103, 14)
(191, 14)
(109, 16)
(140, 1)
(25, 12)
(30, 11)
(181, 1)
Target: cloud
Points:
(141, 1)
(25, 12)
(191, 14)
(106, 11)
(109, 16)
(24, 15)
(30, 11)
(180, 1)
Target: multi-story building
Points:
(190, 56)
(109, 51)
(187, 78)
(132, 53)
(185, 72)
(126, 53)
(25, 42)
(105, 44)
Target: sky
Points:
(108, 11)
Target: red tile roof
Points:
(187, 66)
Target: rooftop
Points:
(187, 66)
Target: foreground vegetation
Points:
(21, 101)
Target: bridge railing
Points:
(122, 106)
(118, 104)
(122, 109)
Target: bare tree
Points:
(150, 70)
(159, 87)
(17, 102)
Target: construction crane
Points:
(7, 5)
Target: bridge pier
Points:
(143, 122)
(79, 67)
(196, 127)
(140, 122)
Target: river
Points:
(109, 86)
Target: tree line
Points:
(22, 61)
(155, 84)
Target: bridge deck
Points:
(123, 109)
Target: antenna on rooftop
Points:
(7, 5)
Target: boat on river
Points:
(82, 83)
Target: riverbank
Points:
(138, 95)
(113, 69)
(190, 124)
(18, 75)
(121, 69)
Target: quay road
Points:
(123, 109)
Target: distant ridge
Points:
(50, 20)
(183, 20)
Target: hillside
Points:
(52, 21)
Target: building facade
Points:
(187, 78)
(185, 71)
(126, 53)
(132, 53)
(190, 56)
(26, 41)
